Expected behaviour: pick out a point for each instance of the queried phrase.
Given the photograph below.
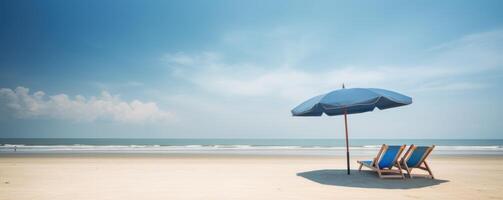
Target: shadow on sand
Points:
(365, 179)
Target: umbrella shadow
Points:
(365, 179)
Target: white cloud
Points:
(183, 59)
(22, 104)
(287, 83)
(475, 52)
(245, 79)
(445, 69)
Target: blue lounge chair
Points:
(384, 162)
(415, 157)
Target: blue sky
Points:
(234, 69)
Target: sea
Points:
(314, 147)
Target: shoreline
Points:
(209, 155)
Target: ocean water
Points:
(240, 146)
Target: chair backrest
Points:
(417, 154)
(388, 155)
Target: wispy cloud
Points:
(461, 86)
(287, 83)
(440, 70)
(471, 53)
(109, 107)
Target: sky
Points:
(235, 69)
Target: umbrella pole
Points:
(347, 143)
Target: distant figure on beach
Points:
(15, 148)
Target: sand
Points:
(54, 177)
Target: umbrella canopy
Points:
(350, 101)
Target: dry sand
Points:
(54, 177)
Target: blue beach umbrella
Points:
(350, 101)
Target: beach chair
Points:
(415, 157)
(384, 162)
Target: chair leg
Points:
(409, 171)
(428, 169)
(379, 172)
(360, 168)
(400, 170)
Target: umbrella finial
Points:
(343, 87)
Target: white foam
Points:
(159, 148)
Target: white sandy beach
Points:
(236, 177)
